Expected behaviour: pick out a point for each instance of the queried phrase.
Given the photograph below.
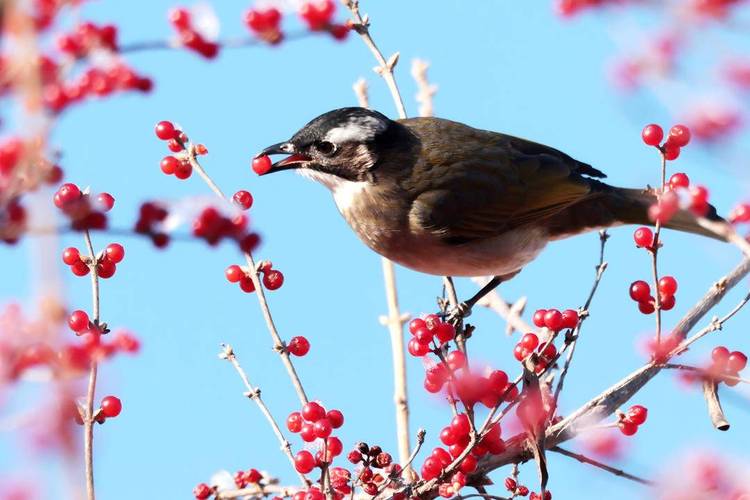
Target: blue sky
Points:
(498, 65)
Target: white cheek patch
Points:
(357, 129)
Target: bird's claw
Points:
(457, 313)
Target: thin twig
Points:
(254, 394)
(252, 270)
(600, 268)
(586, 460)
(230, 43)
(425, 90)
(88, 418)
(706, 373)
(510, 313)
(711, 394)
(654, 250)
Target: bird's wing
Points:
(471, 184)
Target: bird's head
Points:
(342, 144)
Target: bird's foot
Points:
(456, 314)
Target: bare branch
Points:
(711, 394)
(425, 90)
(89, 417)
(510, 313)
(586, 460)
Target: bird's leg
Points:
(463, 309)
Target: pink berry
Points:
(652, 134)
(111, 406)
(298, 346)
(262, 165)
(736, 361)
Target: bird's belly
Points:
(501, 255)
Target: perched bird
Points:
(443, 198)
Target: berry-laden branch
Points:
(254, 393)
(252, 272)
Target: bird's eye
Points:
(325, 148)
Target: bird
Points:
(444, 198)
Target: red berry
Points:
(553, 320)
(71, 255)
(273, 279)
(530, 341)
(679, 180)
(510, 484)
(323, 428)
(627, 427)
(105, 202)
(647, 307)
(468, 465)
(736, 361)
(445, 332)
(184, 170)
(105, 268)
(640, 291)
(234, 273)
(423, 336)
(307, 433)
(66, 194)
(298, 346)
(111, 406)
(448, 436)
(668, 285)
(294, 422)
(679, 135)
(78, 321)
(336, 418)
(243, 199)
(80, 268)
(334, 447)
(202, 491)
(666, 302)
(417, 349)
(671, 151)
(456, 360)
(165, 130)
(415, 325)
(174, 146)
(637, 414)
(304, 462)
(570, 318)
(169, 165)
(720, 355)
(498, 381)
(461, 425)
(652, 134)
(538, 318)
(262, 165)
(354, 456)
(115, 252)
(644, 237)
(313, 412)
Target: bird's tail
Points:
(610, 206)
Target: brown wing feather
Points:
(471, 184)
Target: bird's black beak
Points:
(294, 160)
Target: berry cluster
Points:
(429, 333)
(181, 21)
(515, 488)
(106, 263)
(312, 423)
(83, 211)
(679, 137)
(87, 37)
(528, 345)
(726, 364)
(629, 422)
(555, 320)
(150, 217)
(272, 279)
(640, 292)
(372, 457)
(455, 436)
(177, 165)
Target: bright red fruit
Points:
(538, 318)
(105, 202)
(66, 194)
(417, 349)
(679, 180)
(720, 354)
(644, 237)
(627, 427)
(461, 425)
(234, 273)
(294, 422)
(637, 414)
(202, 491)
(273, 279)
(679, 135)
(111, 406)
(569, 318)
(78, 321)
(671, 151)
(298, 346)
(313, 412)
(640, 291)
(115, 252)
(652, 134)
(667, 285)
(165, 130)
(323, 428)
(336, 418)
(304, 462)
(243, 199)
(71, 255)
(553, 320)
(262, 165)
(456, 360)
(736, 361)
(169, 165)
